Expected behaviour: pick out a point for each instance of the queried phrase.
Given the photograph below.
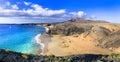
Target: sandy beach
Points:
(62, 46)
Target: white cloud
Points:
(18, 2)
(0, 8)
(10, 6)
(8, 3)
(14, 6)
(36, 10)
(81, 13)
(92, 16)
(39, 10)
(78, 14)
(73, 13)
(27, 3)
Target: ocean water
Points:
(20, 38)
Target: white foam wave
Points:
(38, 41)
(47, 29)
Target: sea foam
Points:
(43, 40)
(38, 41)
(46, 29)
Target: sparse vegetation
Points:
(26, 56)
(99, 61)
(13, 56)
(7, 51)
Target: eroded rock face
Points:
(98, 32)
(69, 29)
(111, 41)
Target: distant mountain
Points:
(81, 20)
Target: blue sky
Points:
(108, 10)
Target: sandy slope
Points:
(62, 45)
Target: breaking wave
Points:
(38, 41)
(42, 40)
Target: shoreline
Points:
(42, 40)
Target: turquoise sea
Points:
(19, 38)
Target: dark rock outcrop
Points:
(69, 29)
(9, 56)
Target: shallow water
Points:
(19, 38)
